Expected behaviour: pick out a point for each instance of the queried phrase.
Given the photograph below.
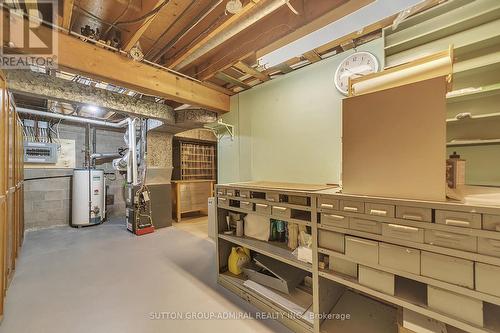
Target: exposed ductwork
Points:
(249, 19)
(103, 123)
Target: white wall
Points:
(288, 129)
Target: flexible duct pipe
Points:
(245, 22)
(104, 123)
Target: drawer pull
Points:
(324, 205)
(222, 199)
(413, 217)
(350, 209)
(450, 236)
(378, 212)
(336, 217)
(262, 205)
(220, 193)
(456, 223)
(280, 208)
(403, 227)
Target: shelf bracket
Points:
(220, 129)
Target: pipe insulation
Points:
(82, 120)
(249, 19)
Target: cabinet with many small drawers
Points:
(435, 258)
(447, 253)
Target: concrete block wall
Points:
(48, 191)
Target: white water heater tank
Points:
(84, 214)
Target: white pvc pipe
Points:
(104, 123)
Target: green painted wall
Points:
(288, 129)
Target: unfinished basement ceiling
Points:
(200, 38)
(218, 49)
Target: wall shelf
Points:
(459, 143)
(220, 129)
(472, 93)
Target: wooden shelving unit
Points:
(195, 172)
(330, 286)
(11, 188)
(196, 161)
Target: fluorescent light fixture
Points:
(356, 21)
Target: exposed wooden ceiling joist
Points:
(325, 19)
(67, 13)
(250, 71)
(97, 62)
(130, 38)
(203, 42)
(229, 79)
(312, 56)
(270, 29)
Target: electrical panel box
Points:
(40, 152)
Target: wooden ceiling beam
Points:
(325, 19)
(137, 30)
(67, 13)
(243, 67)
(111, 67)
(272, 28)
(312, 56)
(232, 20)
(229, 79)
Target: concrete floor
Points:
(104, 279)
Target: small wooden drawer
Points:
(335, 220)
(221, 191)
(331, 241)
(491, 222)
(363, 250)
(328, 203)
(414, 213)
(222, 202)
(411, 234)
(400, 258)
(451, 240)
(230, 192)
(298, 200)
(490, 247)
(273, 196)
(487, 278)
(448, 269)
(377, 280)
(343, 266)
(263, 208)
(365, 225)
(352, 206)
(379, 210)
(280, 211)
(455, 305)
(458, 219)
(246, 205)
(244, 193)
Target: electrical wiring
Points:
(119, 17)
(145, 16)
